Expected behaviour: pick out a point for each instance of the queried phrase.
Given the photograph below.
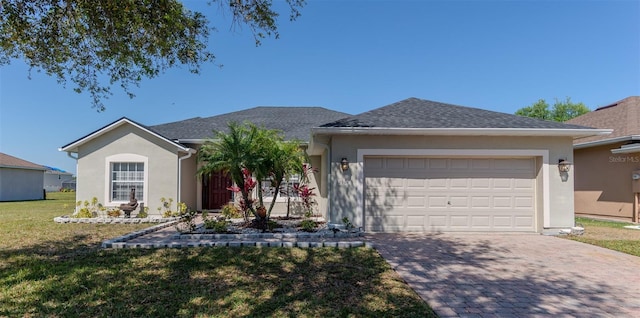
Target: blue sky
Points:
(354, 56)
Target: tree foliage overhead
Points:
(98, 43)
(560, 112)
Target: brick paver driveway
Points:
(514, 275)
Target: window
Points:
(287, 186)
(124, 177)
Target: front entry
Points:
(214, 190)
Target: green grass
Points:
(49, 269)
(609, 234)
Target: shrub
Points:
(230, 211)
(187, 222)
(114, 212)
(144, 213)
(347, 224)
(89, 209)
(272, 225)
(308, 225)
(219, 226)
(84, 213)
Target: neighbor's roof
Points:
(419, 115)
(293, 122)
(622, 116)
(7, 161)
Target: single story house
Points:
(415, 165)
(607, 182)
(54, 178)
(20, 180)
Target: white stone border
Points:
(101, 220)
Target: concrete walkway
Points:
(514, 275)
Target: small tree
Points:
(247, 151)
(232, 153)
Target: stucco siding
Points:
(21, 184)
(189, 183)
(603, 184)
(554, 205)
(161, 168)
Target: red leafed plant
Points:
(306, 194)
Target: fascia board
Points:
(603, 142)
(460, 131)
(628, 149)
(73, 147)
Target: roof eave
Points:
(574, 132)
(624, 150)
(73, 147)
(608, 141)
(22, 167)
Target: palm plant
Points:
(247, 151)
(233, 153)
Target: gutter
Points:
(459, 131)
(606, 141)
(190, 152)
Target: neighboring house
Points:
(608, 167)
(54, 178)
(414, 165)
(20, 180)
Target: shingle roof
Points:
(623, 117)
(7, 161)
(420, 113)
(294, 122)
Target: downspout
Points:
(190, 152)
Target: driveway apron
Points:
(514, 275)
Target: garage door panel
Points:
(437, 202)
(450, 194)
(459, 221)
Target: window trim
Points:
(125, 157)
(281, 198)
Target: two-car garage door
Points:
(411, 194)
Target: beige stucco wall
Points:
(189, 182)
(162, 167)
(559, 213)
(603, 184)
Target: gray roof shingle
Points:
(419, 113)
(294, 122)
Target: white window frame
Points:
(125, 157)
(280, 198)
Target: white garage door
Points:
(449, 194)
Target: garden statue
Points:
(132, 205)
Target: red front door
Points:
(214, 190)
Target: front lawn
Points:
(608, 234)
(51, 269)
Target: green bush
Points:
(84, 213)
(114, 212)
(230, 211)
(308, 225)
(215, 225)
(144, 213)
